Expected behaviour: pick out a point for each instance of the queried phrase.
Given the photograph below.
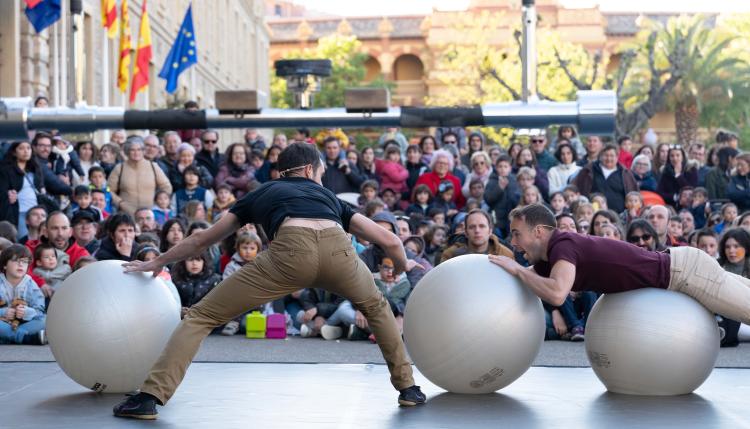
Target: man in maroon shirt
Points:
(564, 261)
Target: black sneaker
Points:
(411, 396)
(356, 334)
(139, 406)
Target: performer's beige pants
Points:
(695, 273)
(298, 258)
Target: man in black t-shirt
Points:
(310, 248)
(564, 261)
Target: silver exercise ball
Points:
(470, 327)
(651, 342)
(107, 328)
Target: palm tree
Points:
(709, 71)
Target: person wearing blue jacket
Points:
(22, 316)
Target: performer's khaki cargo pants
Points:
(695, 273)
(298, 258)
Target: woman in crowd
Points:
(739, 184)
(642, 234)
(567, 167)
(661, 158)
(717, 180)
(88, 157)
(185, 158)
(676, 174)
(236, 171)
(427, 145)
(480, 170)
(171, 233)
(20, 181)
(734, 257)
(527, 158)
(601, 218)
(119, 243)
(643, 174)
(109, 157)
(441, 166)
(134, 183)
(366, 164)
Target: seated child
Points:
(47, 267)
(247, 246)
(194, 278)
(162, 207)
(22, 316)
(98, 181)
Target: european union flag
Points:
(183, 53)
(42, 13)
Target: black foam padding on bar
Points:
(167, 119)
(422, 117)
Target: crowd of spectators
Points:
(445, 194)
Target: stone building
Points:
(232, 39)
(402, 49)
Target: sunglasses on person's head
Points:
(638, 238)
(209, 141)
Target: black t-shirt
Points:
(605, 265)
(295, 197)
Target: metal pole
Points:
(593, 113)
(528, 51)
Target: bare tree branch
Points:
(595, 67)
(492, 72)
(574, 80)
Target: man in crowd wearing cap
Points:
(84, 231)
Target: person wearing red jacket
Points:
(441, 166)
(392, 173)
(59, 233)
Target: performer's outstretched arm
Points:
(552, 290)
(362, 226)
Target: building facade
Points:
(403, 49)
(232, 42)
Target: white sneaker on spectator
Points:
(231, 328)
(305, 331)
(331, 332)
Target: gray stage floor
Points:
(234, 395)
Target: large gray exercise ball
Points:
(651, 342)
(107, 328)
(470, 327)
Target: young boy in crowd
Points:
(571, 194)
(47, 267)
(708, 242)
(476, 191)
(223, 201)
(396, 290)
(699, 207)
(421, 202)
(247, 246)
(444, 200)
(368, 191)
(192, 191)
(98, 181)
(437, 215)
(675, 228)
(82, 202)
(728, 215)
(99, 200)
(162, 208)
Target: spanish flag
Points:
(109, 17)
(142, 56)
(123, 74)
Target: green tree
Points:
(484, 66)
(733, 110)
(348, 70)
